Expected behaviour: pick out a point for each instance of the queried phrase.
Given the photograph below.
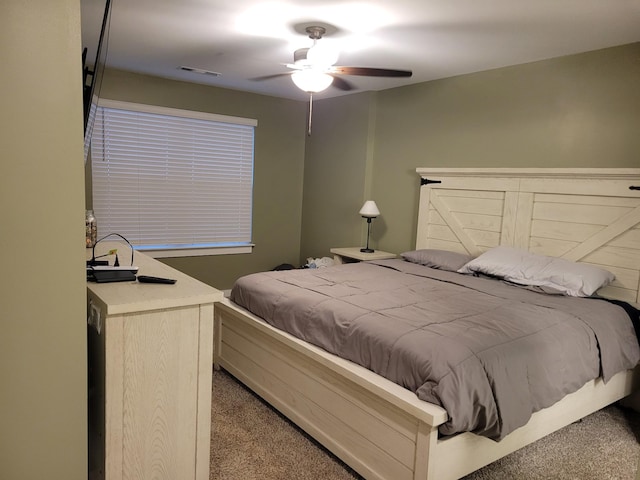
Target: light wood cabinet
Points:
(150, 349)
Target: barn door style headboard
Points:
(589, 215)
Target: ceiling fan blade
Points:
(341, 83)
(269, 77)
(370, 72)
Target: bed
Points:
(384, 431)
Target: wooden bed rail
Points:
(400, 397)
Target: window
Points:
(173, 182)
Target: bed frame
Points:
(384, 431)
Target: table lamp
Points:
(369, 211)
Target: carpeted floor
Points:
(250, 440)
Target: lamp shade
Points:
(311, 81)
(369, 209)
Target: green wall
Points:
(338, 158)
(575, 111)
(278, 170)
(43, 362)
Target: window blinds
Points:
(170, 178)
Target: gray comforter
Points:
(488, 352)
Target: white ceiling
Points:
(243, 39)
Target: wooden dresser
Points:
(150, 367)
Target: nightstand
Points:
(353, 254)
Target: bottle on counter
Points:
(91, 228)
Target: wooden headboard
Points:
(588, 215)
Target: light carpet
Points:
(250, 440)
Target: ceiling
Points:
(244, 39)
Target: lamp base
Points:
(367, 250)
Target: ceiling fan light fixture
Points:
(322, 54)
(311, 81)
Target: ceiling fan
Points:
(314, 69)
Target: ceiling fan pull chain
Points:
(310, 113)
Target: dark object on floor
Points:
(284, 266)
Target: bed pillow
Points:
(440, 259)
(526, 268)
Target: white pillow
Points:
(525, 268)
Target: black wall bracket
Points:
(425, 181)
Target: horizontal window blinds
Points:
(170, 180)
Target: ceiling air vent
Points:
(200, 70)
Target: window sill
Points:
(164, 251)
